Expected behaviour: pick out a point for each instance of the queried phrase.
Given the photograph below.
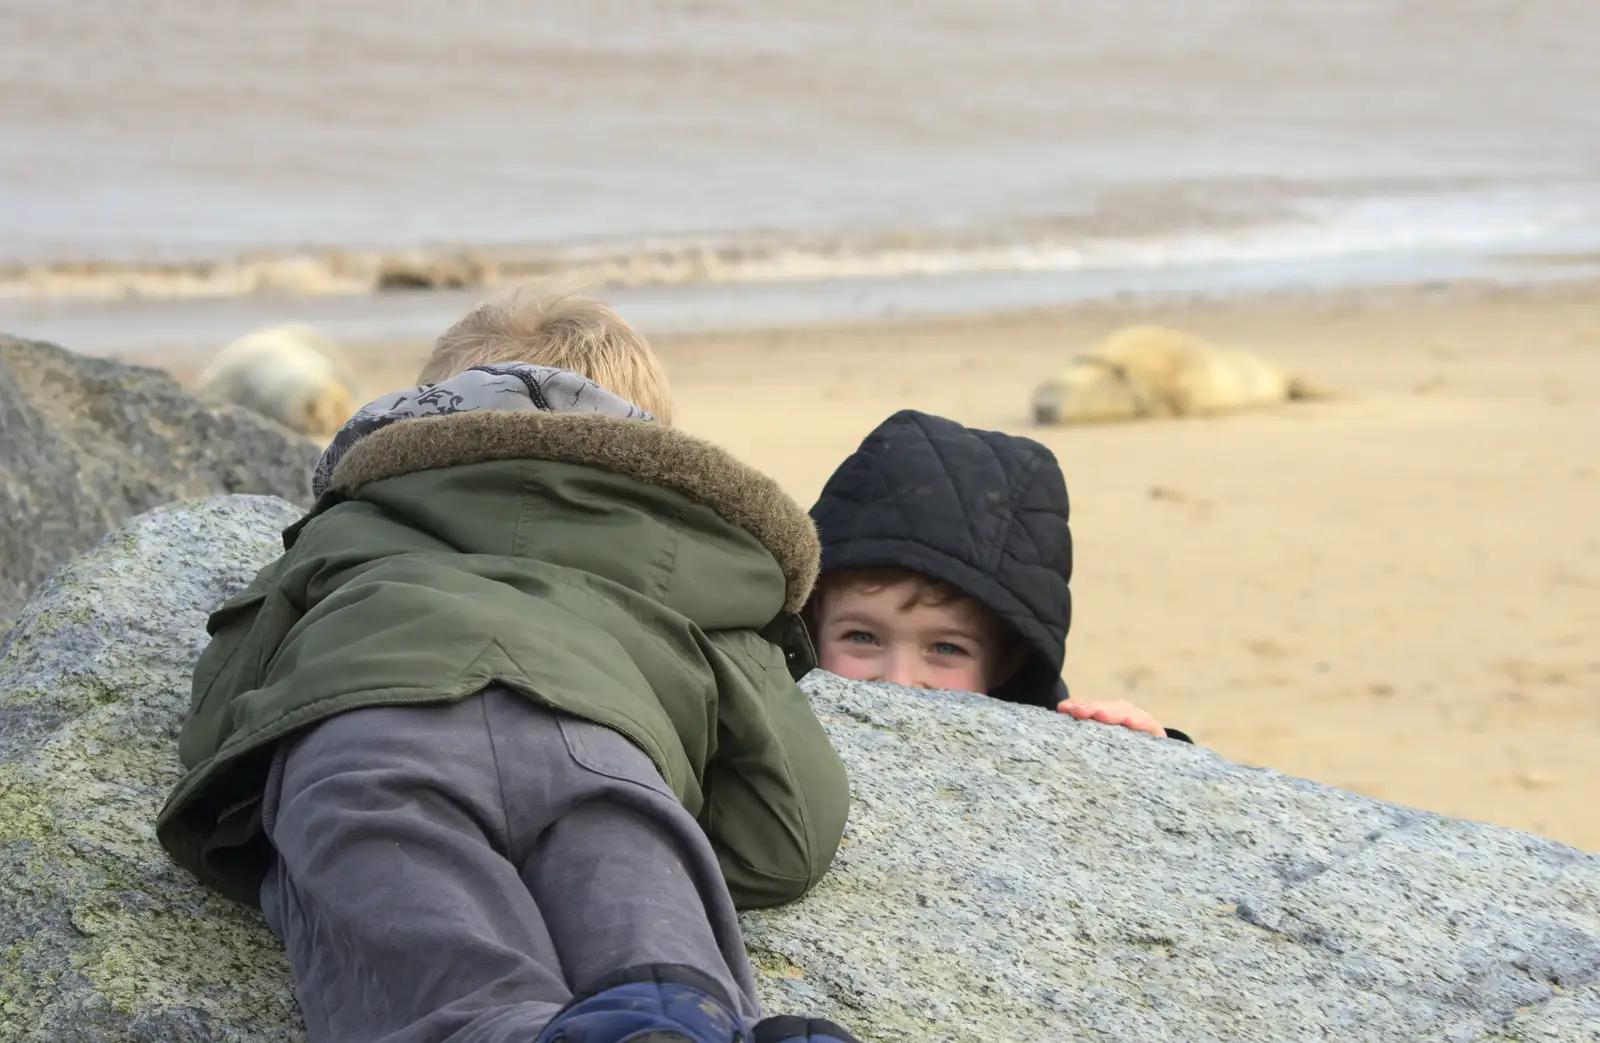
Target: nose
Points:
(902, 670)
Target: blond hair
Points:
(574, 333)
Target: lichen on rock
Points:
(101, 937)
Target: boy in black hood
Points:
(946, 558)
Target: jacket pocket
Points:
(227, 626)
(228, 666)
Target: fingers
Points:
(1119, 713)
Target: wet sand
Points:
(1396, 592)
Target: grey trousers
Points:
(459, 872)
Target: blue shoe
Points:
(791, 1029)
(656, 1003)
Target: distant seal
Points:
(1149, 371)
(290, 373)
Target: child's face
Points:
(878, 636)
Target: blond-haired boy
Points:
(510, 729)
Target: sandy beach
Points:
(1396, 592)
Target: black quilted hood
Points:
(983, 511)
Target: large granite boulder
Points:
(87, 442)
(1008, 874)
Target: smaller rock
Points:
(87, 442)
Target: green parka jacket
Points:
(622, 572)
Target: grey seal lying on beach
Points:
(1149, 371)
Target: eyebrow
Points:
(856, 618)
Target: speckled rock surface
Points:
(101, 937)
(88, 442)
(1008, 874)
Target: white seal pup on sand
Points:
(1149, 371)
(290, 373)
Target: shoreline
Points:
(393, 359)
(176, 326)
(1396, 591)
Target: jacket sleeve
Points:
(775, 791)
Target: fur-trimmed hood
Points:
(639, 449)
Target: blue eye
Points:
(946, 648)
(859, 637)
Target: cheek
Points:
(968, 675)
(846, 659)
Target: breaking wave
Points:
(1351, 227)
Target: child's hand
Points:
(1123, 713)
